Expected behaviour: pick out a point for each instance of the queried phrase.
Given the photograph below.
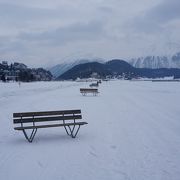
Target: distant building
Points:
(20, 72)
(95, 75)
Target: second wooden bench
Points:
(84, 91)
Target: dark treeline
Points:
(20, 72)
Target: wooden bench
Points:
(84, 91)
(47, 119)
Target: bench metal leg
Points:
(72, 131)
(33, 133)
(66, 130)
(77, 131)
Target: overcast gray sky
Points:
(41, 32)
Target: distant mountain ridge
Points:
(59, 69)
(150, 62)
(156, 62)
(115, 68)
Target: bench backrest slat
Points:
(45, 113)
(50, 118)
(89, 89)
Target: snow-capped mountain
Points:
(176, 60)
(156, 62)
(59, 69)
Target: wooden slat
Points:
(50, 118)
(88, 89)
(45, 113)
(52, 125)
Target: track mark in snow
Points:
(93, 154)
(4, 158)
(40, 164)
(166, 174)
(123, 174)
(113, 147)
(93, 151)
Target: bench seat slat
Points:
(45, 113)
(89, 92)
(51, 125)
(42, 119)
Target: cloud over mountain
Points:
(46, 31)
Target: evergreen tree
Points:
(3, 78)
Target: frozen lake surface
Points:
(133, 132)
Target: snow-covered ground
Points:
(133, 132)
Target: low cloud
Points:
(43, 30)
(156, 19)
(75, 32)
